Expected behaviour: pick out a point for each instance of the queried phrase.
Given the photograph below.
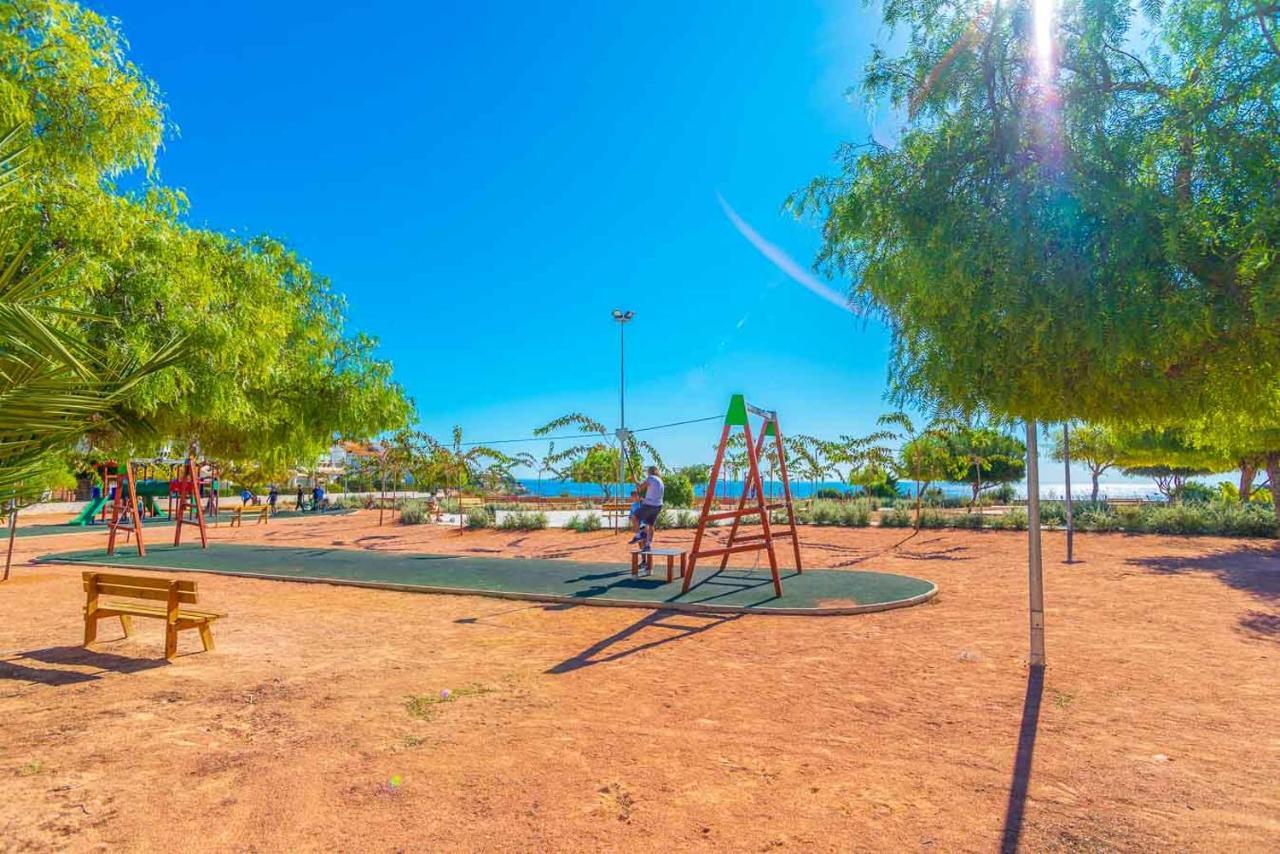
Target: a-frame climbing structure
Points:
(752, 502)
(188, 486)
(124, 505)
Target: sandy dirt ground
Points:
(317, 724)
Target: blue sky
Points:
(487, 181)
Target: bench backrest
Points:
(470, 502)
(139, 587)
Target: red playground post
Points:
(188, 500)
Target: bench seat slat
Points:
(138, 609)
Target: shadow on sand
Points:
(69, 657)
(1015, 811)
(1253, 569)
(679, 625)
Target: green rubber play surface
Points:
(101, 527)
(814, 591)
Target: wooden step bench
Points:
(146, 596)
(669, 554)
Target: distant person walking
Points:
(300, 502)
(273, 495)
(650, 507)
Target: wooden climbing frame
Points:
(752, 501)
(189, 500)
(124, 506)
(126, 517)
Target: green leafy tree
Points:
(697, 473)
(1042, 214)
(1091, 445)
(54, 384)
(986, 458)
(597, 465)
(1167, 456)
(267, 371)
(925, 455)
(875, 479)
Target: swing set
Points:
(752, 501)
(128, 492)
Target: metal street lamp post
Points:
(622, 317)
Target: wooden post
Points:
(786, 491)
(91, 611)
(13, 531)
(1066, 469)
(1035, 566)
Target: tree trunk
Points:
(1094, 474)
(1248, 472)
(1273, 475)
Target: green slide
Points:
(88, 512)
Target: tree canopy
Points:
(1091, 234)
(265, 368)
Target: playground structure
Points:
(739, 415)
(132, 497)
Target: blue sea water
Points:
(732, 489)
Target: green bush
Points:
(583, 524)
(1176, 519)
(856, 513)
(970, 521)
(1128, 517)
(930, 518)
(1242, 520)
(824, 513)
(830, 494)
(1194, 493)
(1012, 520)
(678, 491)
(479, 517)
(414, 513)
(896, 517)
(1003, 494)
(522, 521)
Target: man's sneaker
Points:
(638, 537)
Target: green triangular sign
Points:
(737, 414)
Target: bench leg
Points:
(90, 629)
(670, 566)
(635, 570)
(126, 625)
(206, 637)
(170, 640)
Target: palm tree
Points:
(54, 386)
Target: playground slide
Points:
(90, 510)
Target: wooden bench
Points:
(669, 554)
(615, 512)
(161, 598)
(238, 514)
(470, 503)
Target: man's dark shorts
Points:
(648, 513)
